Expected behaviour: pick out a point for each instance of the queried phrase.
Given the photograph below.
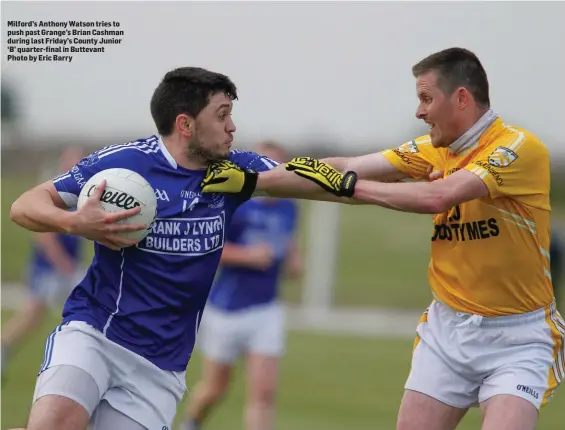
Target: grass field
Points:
(327, 383)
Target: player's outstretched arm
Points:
(280, 182)
(42, 209)
(423, 197)
(226, 177)
(435, 196)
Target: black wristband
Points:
(249, 183)
(347, 188)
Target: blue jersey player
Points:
(243, 315)
(53, 270)
(118, 358)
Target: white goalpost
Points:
(322, 234)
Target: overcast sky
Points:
(340, 70)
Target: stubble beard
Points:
(198, 152)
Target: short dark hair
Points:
(457, 67)
(186, 90)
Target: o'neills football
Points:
(125, 189)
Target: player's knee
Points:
(263, 396)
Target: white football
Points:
(125, 189)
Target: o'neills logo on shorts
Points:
(528, 390)
(116, 198)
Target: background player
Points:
(492, 336)
(128, 330)
(53, 271)
(243, 315)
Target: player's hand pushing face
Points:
(93, 222)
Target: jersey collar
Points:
(470, 139)
(167, 154)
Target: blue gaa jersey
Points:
(149, 298)
(270, 221)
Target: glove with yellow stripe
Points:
(331, 180)
(226, 177)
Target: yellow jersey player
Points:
(492, 336)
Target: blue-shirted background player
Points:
(243, 314)
(53, 270)
(118, 358)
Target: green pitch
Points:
(327, 383)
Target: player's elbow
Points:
(440, 197)
(20, 208)
(17, 212)
(437, 203)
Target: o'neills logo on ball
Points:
(116, 198)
